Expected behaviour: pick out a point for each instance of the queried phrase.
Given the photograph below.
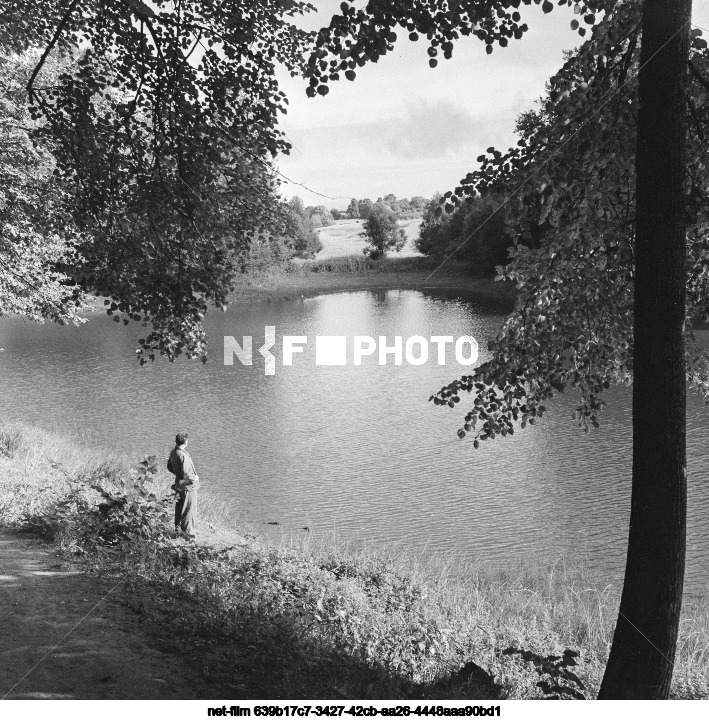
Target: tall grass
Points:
(325, 618)
(30, 462)
(361, 263)
(348, 264)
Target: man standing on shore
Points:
(185, 486)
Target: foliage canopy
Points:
(36, 227)
(567, 196)
(162, 130)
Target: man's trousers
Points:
(186, 511)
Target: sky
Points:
(404, 128)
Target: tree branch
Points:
(60, 28)
(698, 75)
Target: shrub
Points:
(382, 232)
(471, 232)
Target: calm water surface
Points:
(354, 449)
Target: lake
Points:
(354, 449)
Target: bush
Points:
(382, 232)
(102, 511)
(320, 216)
(300, 226)
(471, 232)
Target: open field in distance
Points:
(343, 238)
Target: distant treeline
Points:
(298, 237)
(470, 231)
(404, 208)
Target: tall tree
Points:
(590, 299)
(382, 232)
(641, 659)
(301, 229)
(353, 208)
(364, 207)
(37, 231)
(482, 235)
(164, 129)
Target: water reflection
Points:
(358, 449)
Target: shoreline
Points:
(284, 287)
(350, 274)
(308, 284)
(312, 619)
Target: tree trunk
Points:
(642, 655)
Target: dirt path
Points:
(64, 635)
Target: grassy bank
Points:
(318, 620)
(356, 272)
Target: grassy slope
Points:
(316, 621)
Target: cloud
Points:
(425, 129)
(430, 129)
(427, 146)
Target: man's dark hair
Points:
(180, 438)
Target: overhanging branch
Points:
(698, 75)
(57, 33)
